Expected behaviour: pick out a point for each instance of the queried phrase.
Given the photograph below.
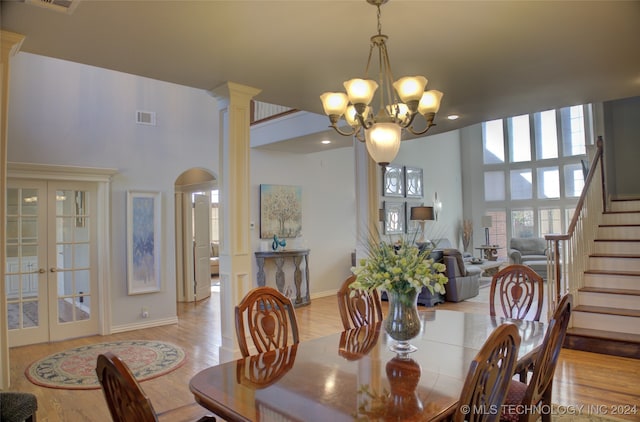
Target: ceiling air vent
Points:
(65, 6)
(146, 117)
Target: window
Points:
(536, 189)
(521, 184)
(573, 137)
(522, 223)
(520, 140)
(215, 219)
(494, 186)
(547, 135)
(498, 231)
(548, 182)
(550, 222)
(573, 180)
(493, 142)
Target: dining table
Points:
(354, 376)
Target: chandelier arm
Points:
(408, 123)
(362, 121)
(359, 135)
(421, 132)
(337, 129)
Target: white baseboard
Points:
(142, 325)
(324, 294)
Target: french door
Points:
(51, 275)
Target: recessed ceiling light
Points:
(453, 117)
(326, 141)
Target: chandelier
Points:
(383, 130)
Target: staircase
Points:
(606, 318)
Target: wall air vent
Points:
(64, 6)
(146, 117)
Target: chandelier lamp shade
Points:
(399, 103)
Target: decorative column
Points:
(367, 197)
(11, 43)
(236, 278)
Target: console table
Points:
(490, 252)
(297, 255)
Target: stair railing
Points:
(568, 253)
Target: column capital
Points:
(11, 43)
(231, 92)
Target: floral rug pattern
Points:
(75, 369)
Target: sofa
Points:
(214, 258)
(529, 251)
(464, 279)
(523, 249)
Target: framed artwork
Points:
(413, 226)
(413, 181)
(393, 181)
(280, 211)
(143, 242)
(394, 217)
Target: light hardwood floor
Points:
(581, 378)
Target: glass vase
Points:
(402, 322)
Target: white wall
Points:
(70, 114)
(622, 146)
(439, 158)
(328, 210)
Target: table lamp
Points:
(421, 214)
(486, 223)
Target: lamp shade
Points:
(383, 141)
(430, 102)
(421, 213)
(410, 88)
(360, 91)
(486, 221)
(334, 103)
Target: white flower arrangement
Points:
(399, 267)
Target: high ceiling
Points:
(491, 59)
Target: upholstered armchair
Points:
(464, 282)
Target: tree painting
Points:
(280, 211)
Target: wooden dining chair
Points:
(490, 372)
(358, 342)
(126, 400)
(517, 288)
(260, 371)
(270, 319)
(358, 307)
(538, 391)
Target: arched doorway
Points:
(196, 232)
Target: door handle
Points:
(42, 271)
(53, 269)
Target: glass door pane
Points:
(73, 219)
(25, 275)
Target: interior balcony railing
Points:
(569, 252)
(261, 112)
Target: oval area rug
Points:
(75, 369)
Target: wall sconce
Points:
(437, 205)
(421, 214)
(486, 223)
